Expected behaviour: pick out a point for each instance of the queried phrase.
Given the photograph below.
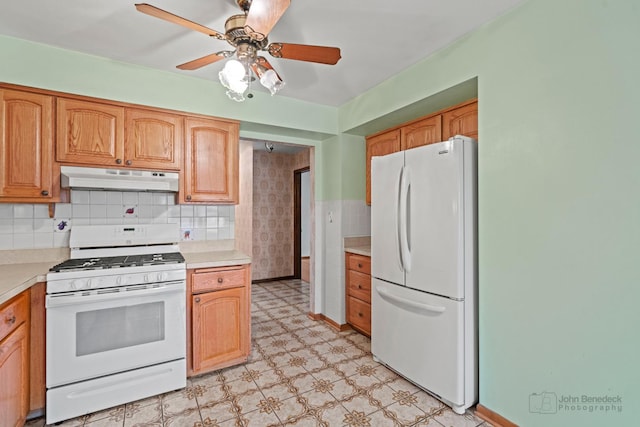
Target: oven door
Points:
(101, 332)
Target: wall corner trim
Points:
(331, 323)
(493, 417)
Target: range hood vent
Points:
(117, 179)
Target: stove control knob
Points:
(146, 278)
(162, 276)
(72, 285)
(89, 284)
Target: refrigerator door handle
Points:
(408, 303)
(405, 250)
(399, 218)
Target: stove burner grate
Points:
(81, 264)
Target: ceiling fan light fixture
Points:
(247, 33)
(234, 77)
(271, 80)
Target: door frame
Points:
(297, 221)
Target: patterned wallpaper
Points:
(273, 212)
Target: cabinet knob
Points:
(359, 265)
(128, 163)
(359, 314)
(359, 286)
(11, 320)
(198, 299)
(188, 197)
(119, 161)
(220, 280)
(44, 192)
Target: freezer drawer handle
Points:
(408, 303)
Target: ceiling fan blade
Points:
(201, 62)
(263, 15)
(305, 52)
(167, 16)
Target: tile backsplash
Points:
(28, 226)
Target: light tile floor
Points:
(300, 373)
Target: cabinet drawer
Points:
(217, 278)
(13, 314)
(359, 315)
(359, 263)
(360, 285)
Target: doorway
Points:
(301, 223)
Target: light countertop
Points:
(215, 259)
(15, 278)
(360, 250)
(360, 245)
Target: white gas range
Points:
(116, 328)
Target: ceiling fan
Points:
(247, 33)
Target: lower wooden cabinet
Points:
(219, 318)
(14, 361)
(358, 292)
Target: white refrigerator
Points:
(424, 267)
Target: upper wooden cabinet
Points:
(461, 119)
(89, 133)
(29, 174)
(92, 133)
(380, 145)
(153, 139)
(422, 132)
(210, 173)
(42, 129)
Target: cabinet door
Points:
(420, 133)
(89, 133)
(153, 139)
(379, 145)
(461, 121)
(220, 327)
(14, 377)
(26, 154)
(211, 161)
(359, 315)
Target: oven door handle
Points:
(77, 298)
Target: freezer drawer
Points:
(421, 336)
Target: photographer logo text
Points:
(548, 402)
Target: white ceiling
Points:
(378, 38)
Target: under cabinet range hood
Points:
(117, 179)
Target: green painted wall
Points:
(37, 65)
(343, 168)
(559, 211)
